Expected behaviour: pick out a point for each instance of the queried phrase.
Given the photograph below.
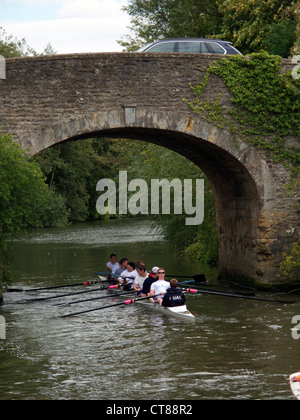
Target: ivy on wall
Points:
(266, 104)
(265, 114)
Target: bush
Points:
(25, 200)
(290, 266)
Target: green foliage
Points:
(281, 37)
(290, 266)
(199, 243)
(24, 196)
(296, 48)
(13, 47)
(250, 24)
(155, 19)
(72, 171)
(205, 245)
(266, 104)
(25, 200)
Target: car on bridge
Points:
(191, 45)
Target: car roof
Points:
(191, 39)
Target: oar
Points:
(203, 291)
(199, 278)
(218, 290)
(112, 274)
(86, 283)
(186, 282)
(97, 298)
(67, 294)
(125, 302)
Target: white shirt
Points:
(127, 273)
(160, 286)
(139, 281)
(113, 267)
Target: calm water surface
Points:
(237, 349)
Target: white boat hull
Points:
(179, 312)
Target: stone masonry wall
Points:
(46, 100)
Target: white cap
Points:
(155, 270)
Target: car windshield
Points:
(143, 48)
(163, 47)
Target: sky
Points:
(70, 26)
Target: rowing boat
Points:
(179, 312)
(295, 384)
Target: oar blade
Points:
(199, 278)
(11, 289)
(232, 295)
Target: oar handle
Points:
(96, 298)
(126, 302)
(113, 274)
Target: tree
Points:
(281, 37)
(290, 266)
(155, 19)
(24, 196)
(251, 25)
(296, 10)
(12, 47)
(199, 243)
(72, 171)
(49, 50)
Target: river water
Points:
(237, 348)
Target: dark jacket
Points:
(173, 297)
(147, 284)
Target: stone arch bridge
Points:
(48, 100)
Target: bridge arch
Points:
(51, 99)
(236, 191)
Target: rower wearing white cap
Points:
(153, 276)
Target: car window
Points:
(163, 47)
(211, 48)
(188, 47)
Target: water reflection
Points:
(236, 349)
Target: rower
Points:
(140, 278)
(153, 276)
(122, 267)
(112, 266)
(128, 276)
(159, 286)
(174, 296)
